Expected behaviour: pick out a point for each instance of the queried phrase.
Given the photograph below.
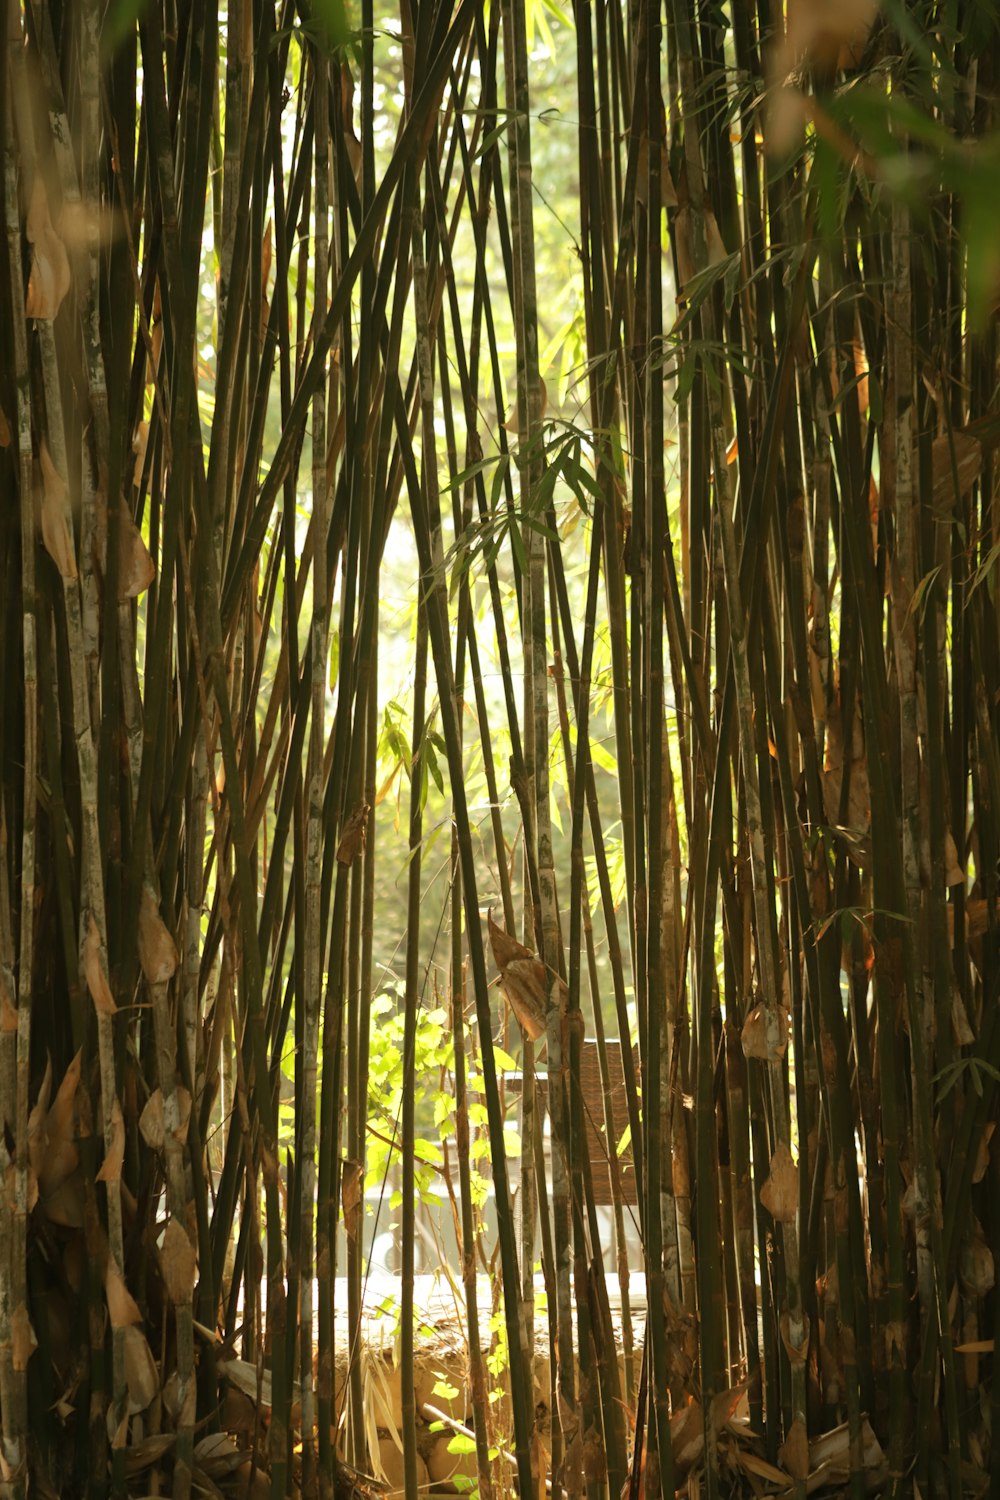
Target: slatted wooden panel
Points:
(593, 1101)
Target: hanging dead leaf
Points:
(37, 1134)
(953, 874)
(514, 423)
(141, 1377)
(111, 1166)
(687, 1435)
(93, 968)
(827, 35)
(5, 434)
(171, 1396)
(505, 948)
(49, 279)
(754, 1034)
(238, 1414)
(794, 1451)
(780, 1193)
(65, 1204)
(796, 1352)
(975, 1263)
(983, 1151)
(350, 1196)
(715, 249)
(243, 1375)
(56, 532)
(157, 951)
(178, 1262)
(726, 1404)
(151, 1121)
(146, 1452)
(759, 1467)
(218, 1456)
(668, 193)
(122, 1307)
(352, 841)
(523, 980)
(8, 1012)
(962, 1031)
(831, 1452)
(968, 461)
(55, 1156)
(22, 1337)
(136, 569)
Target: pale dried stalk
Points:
(313, 937)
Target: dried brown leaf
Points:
(218, 1456)
(56, 531)
(794, 1451)
(93, 968)
(146, 1452)
(352, 841)
(178, 1262)
(157, 951)
(687, 1435)
(122, 1307)
(968, 461)
(22, 1336)
(65, 1204)
(136, 569)
(151, 1121)
(983, 1151)
(57, 1157)
(725, 1405)
(514, 423)
(504, 946)
(754, 1034)
(759, 1467)
(141, 1376)
(351, 1196)
(111, 1166)
(975, 1265)
(827, 34)
(8, 1010)
(525, 986)
(780, 1193)
(796, 1352)
(831, 1452)
(524, 980)
(962, 1031)
(243, 1375)
(49, 279)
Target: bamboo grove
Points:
(764, 522)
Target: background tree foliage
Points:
(431, 483)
